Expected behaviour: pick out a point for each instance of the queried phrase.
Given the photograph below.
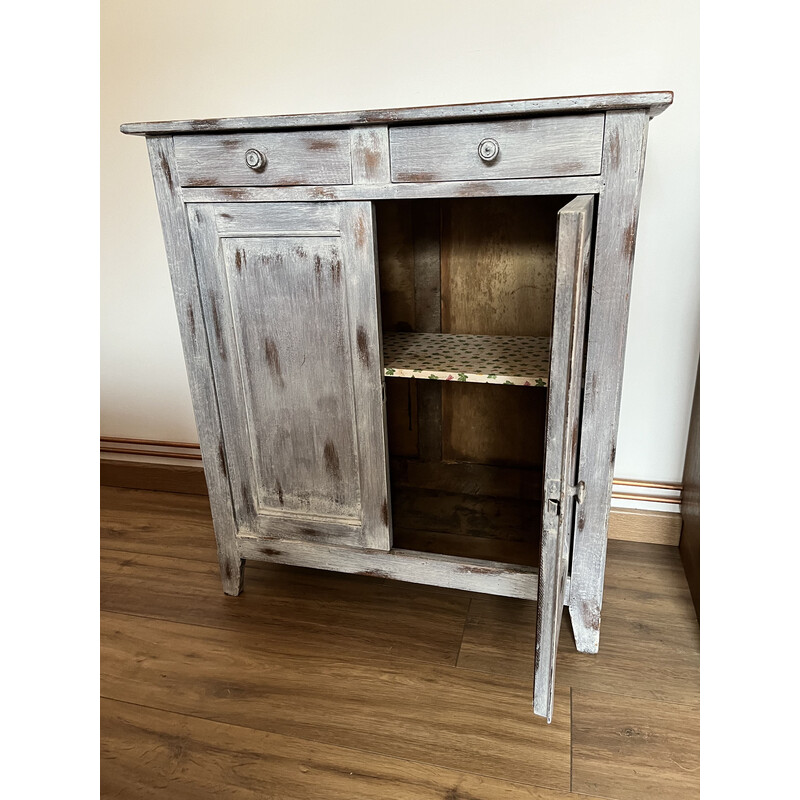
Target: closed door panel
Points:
(290, 298)
(289, 308)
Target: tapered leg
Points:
(585, 618)
(232, 573)
(194, 339)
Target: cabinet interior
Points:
(466, 291)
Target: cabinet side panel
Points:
(196, 355)
(617, 216)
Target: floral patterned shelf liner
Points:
(513, 360)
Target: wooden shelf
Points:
(511, 360)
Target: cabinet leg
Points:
(585, 617)
(232, 573)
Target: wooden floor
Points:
(320, 685)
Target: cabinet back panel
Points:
(498, 268)
(490, 263)
(498, 265)
(297, 377)
(467, 510)
(488, 424)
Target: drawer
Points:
(316, 158)
(537, 147)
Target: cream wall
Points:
(177, 59)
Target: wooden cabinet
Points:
(404, 333)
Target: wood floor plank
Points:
(629, 748)
(650, 639)
(158, 523)
(650, 579)
(443, 716)
(370, 617)
(147, 753)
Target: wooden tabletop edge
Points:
(656, 102)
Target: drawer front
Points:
(312, 158)
(539, 147)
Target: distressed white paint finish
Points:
(398, 191)
(282, 273)
(249, 219)
(289, 338)
(369, 146)
(189, 307)
(617, 216)
(538, 147)
(298, 382)
(360, 248)
(296, 157)
(507, 580)
(652, 102)
(573, 262)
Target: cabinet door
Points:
(565, 389)
(290, 303)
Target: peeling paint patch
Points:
(222, 464)
(372, 161)
(361, 232)
(167, 172)
(629, 241)
(190, 317)
(415, 177)
(336, 270)
(478, 570)
(374, 573)
(362, 344)
(332, 466)
(218, 329)
(321, 144)
(273, 360)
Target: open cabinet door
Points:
(560, 488)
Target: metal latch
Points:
(578, 491)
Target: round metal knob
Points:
(255, 159)
(488, 150)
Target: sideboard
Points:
(404, 333)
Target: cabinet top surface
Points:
(654, 102)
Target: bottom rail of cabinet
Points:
(472, 575)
